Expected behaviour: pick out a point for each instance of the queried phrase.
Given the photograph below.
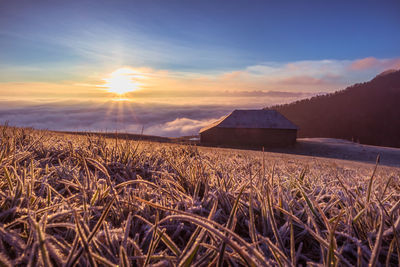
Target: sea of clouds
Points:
(153, 118)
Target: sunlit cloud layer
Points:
(152, 119)
(292, 79)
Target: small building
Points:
(250, 128)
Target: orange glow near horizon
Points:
(123, 80)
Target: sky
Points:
(171, 67)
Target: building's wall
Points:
(248, 137)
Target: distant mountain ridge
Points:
(365, 112)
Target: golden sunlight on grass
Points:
(123, 80)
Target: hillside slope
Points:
(88, 200)
(367, 112)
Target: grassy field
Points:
(87, 200)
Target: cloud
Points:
(299, 76)
(303, 80)
(308, 76)
(364, 63)
(374, 63)
(304, 76)
(180, 127)
(267, 94)
(155, 119)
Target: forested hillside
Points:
(367, 112)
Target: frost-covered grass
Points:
(85, 200)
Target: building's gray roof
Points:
(262, 118)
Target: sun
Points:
(123, 81)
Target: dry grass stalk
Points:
(79, 200)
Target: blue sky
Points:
(195, 35)
(190, 53)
